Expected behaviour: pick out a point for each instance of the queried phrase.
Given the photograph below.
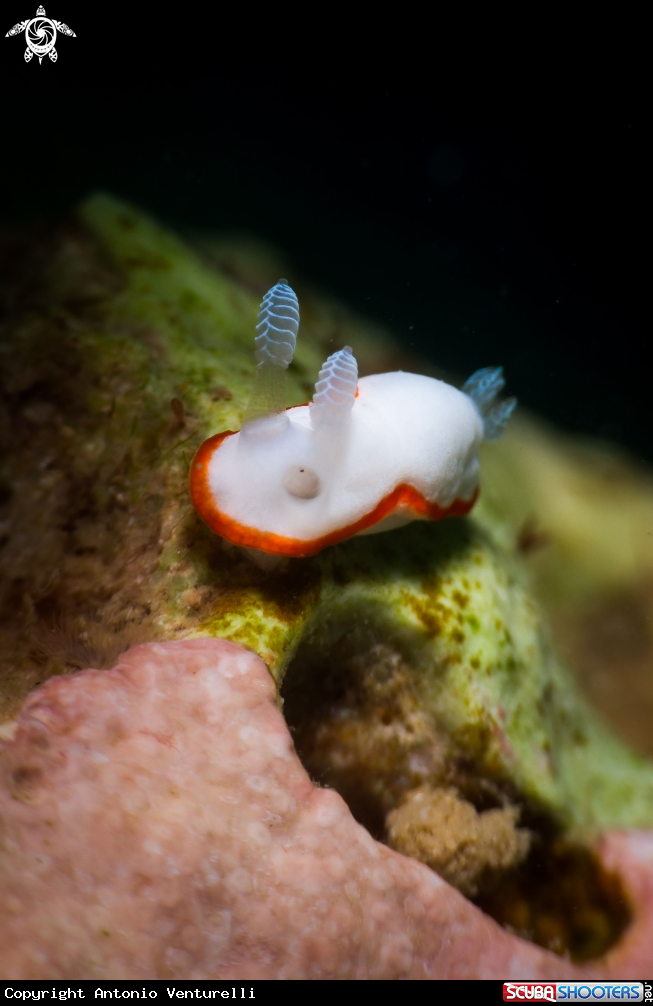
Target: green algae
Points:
(153, 324)
(458, 608)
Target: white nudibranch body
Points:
(366, 455)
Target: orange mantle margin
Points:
(404, 495)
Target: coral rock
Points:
(122, 349)
(157, 823)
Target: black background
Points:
(478, 187)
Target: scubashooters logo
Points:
(575, 992)
(40, 35)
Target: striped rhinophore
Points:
(335, 390)
(278, 323)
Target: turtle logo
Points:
(40, 35)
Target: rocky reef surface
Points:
(414, 668)
(158, 824)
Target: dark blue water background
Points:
(486, 207)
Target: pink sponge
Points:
(155, 822)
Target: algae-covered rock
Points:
(587, 504)
(450, 603)
(580, 513)
(413, 657)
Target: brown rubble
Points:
(447, 833)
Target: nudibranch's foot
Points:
(158, 824)
(264, 560)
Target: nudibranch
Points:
(366, 455)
